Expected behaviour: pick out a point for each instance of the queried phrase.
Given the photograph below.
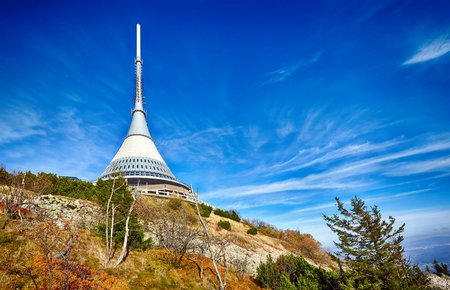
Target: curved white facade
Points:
(138, 145)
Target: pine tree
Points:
(371, 247)
(440, 269)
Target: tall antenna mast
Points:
(138, 41)
(139, 99)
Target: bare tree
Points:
(111, 219)
(208, 242)
(14, 198)
(55, 243)
(125, 239)
(240, 264)
(109, 223)
(176, 229)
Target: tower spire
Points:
(138, 122)
(139, 98)
(138, 40)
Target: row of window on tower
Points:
(145, 164)
(142, 160)
(141, 166)
(143, 173)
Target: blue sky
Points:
(272, 108)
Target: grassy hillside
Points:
(59, 233)
(40, 227)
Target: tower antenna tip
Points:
(138, 40)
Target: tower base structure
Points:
(165, 191)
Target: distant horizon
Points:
(272, 110)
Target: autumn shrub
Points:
(252, 231)
(305, 245)
(72, 276)
(224, 225)
(266, 229)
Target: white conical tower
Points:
(138, 159)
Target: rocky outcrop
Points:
(81, 213)
(439, 282)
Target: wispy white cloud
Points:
(18, 123)
(373, 164)
(423, 221)
(282, 74)
(441, 164)
(302, 160)
(349, 175)
(309, 183)
(321, 207)
(317, 138)
(430, 50)
(279, 199)
(64, 143)
(419, 221)
(314, 208)
(202, 145)
(285, 129)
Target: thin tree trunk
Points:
(221, 285)
(111, 232)
(125, 238)
(107, 253)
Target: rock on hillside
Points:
(438, 282)
(82, 213)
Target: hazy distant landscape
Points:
(424, 250)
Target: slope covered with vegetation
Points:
(138, 242)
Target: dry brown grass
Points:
(149, 269)
(27, 250)
(306, 246)
(152, 270)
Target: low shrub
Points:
(252, 231)
(231, 214)
(136, 237)
(293, 272)
(224, 225)
(205, 210)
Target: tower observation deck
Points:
(138, 160)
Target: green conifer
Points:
(371, 248)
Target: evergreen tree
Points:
(371, 248)
(440, 268)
